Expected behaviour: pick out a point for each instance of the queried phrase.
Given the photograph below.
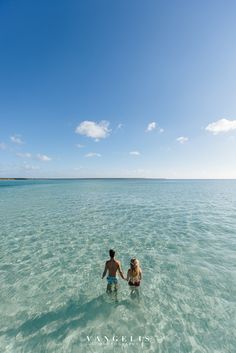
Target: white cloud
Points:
(2, 146)
(134, 153)
(78, 168)
(222, 125)
(151, 126)
(92, 154)
(16, 139)
(43, 157)
(119, 126)
(29, 167)
(182, 139)
(24, 155)
(94, 130)
(79, 145)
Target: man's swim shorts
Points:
(112, 280)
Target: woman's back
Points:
(134, 274)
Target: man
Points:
(112, 266)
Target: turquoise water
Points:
(55, 237)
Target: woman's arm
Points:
(140, 274)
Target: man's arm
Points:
(105, 270)
(120, 272)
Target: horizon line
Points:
(110, 178)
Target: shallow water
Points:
(55, 237)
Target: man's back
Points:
(112, 266)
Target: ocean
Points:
(55, 236)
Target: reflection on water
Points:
(69, 317)
(40, 330)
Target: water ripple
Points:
(54, 242)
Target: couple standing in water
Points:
(134, 274)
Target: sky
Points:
(128, 88)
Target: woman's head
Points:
(134, 262)
(134, 265)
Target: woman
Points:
(134, 274)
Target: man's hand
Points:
(120, 272)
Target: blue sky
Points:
(118, 88)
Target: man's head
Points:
(112, 253)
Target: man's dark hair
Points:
(112, 253)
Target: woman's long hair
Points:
(134, 266)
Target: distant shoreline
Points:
(160, 179)
(1, 179)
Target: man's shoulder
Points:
(110, 262)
